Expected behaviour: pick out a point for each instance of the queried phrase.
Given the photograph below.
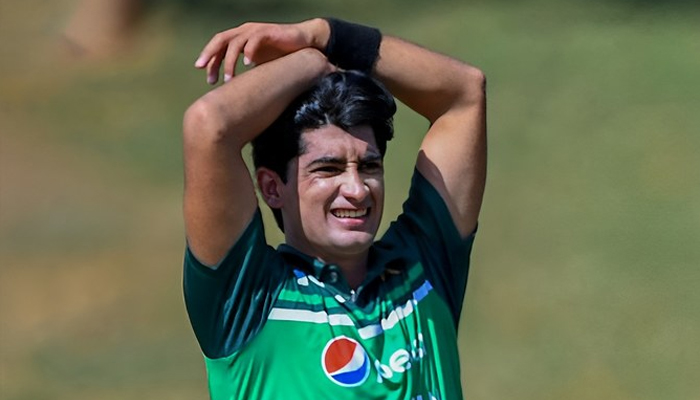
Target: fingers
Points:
(213, 55)
(213, 68)
(251, 51)
(258, 42)
(210, 58)
(224, 48)
(214, 46)
(231, 58)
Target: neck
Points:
(352, 265)
(354, 271)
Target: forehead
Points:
(335, 140)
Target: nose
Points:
(353, 186)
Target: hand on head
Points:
(258, 43)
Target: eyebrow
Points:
(370, 157)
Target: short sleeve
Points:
(229, 303)
(426, 228)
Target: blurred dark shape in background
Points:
(102, 27)
(585, 273)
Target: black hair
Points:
(345, 99)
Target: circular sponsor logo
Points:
(345, 362)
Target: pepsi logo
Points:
(345, 362)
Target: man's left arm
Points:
(451, 95)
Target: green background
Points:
(586, 271)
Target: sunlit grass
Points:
(585, 273)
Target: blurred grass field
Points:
(585, 280)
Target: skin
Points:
(333, 200)
(219, 194)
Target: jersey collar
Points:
(379, 260)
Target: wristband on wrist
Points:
(352, 46)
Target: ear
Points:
(270, 186)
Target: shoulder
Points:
(228, 303)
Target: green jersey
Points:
(278, 324)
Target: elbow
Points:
(202, 124)
(475, 86)
(465, 92)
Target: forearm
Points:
(219, 194)
(451, 95)
(429, 83)
(236, 112)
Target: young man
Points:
(331, 313)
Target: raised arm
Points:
(451, 95)
(219, 194)
(219, 198)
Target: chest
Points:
(394, 341)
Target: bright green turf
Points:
(587, 265)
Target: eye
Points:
(327, 170)
(371, 167)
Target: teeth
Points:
(350, 213)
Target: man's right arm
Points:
(219, 199)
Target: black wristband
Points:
(353, 46)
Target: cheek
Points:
(317, 193)
(376, 186)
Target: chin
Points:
(352, 243)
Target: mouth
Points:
(346, 213)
